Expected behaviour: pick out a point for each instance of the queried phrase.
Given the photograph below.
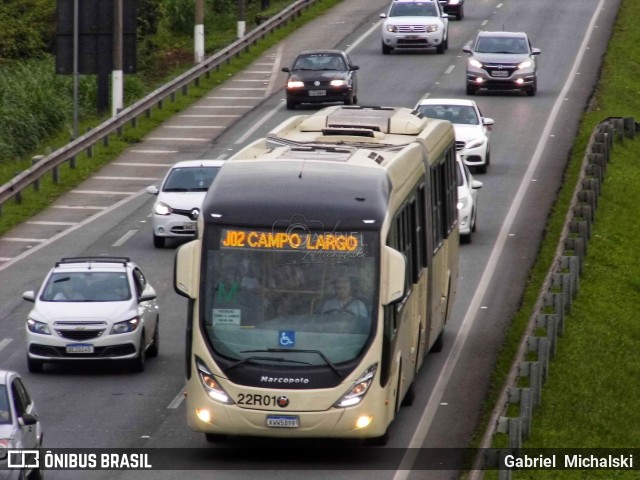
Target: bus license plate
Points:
(79, 348)
(189, 227)
(317, 93)
(283, 421)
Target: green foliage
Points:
(179, 15)
(27, 28)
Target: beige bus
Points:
(324, 271)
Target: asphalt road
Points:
(105, 406)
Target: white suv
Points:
(93, 308)
(415, 24)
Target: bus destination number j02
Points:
(257, 400)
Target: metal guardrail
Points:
(558, 291)
(114, 125)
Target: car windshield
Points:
(266, 291)
(413, 9)
(87, 287)
(460, 114)
(190, 179)
(5, 411)
(510, 45)
(319, 62)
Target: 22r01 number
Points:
(255, 399)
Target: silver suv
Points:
(93, 308)
(415, 24)
(502, 61)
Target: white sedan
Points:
(473, 131)
(467, 201)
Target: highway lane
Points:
(83, 407)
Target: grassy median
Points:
(590, 399)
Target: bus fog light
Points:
(363, 421)
(203, 414)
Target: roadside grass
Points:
(32, 202)
(590, 398)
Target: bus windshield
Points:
(283, 298)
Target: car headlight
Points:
(356, 393)
(525, 64)
(475, 63)
(211, 385)
(162, 208)
(432, 28)
(476, 142)
(126, 326)
(338, 83)
(462, 203)
(392, 28)
(38, 327)
(295, 84)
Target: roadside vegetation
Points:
(590, 399)
(36, 105)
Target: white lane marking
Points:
(364, 35)
(146, 179)
(101, 192)
(124, 238)
(449, 69)
(181, 139)
(4, 342)
(42, 222)
(153, 151)
(5, 259)
(24, 240)
(66, 232)
(78, 207)
(274, 70)
(257, 125)
(463, 334)
(175, 403)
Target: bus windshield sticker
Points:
(287, 338)
(226, 316)
(324, 241)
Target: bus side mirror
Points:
(187, 269)
(393, 276)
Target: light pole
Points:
(117, 89)
(198, 33)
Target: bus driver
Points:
(344, 301)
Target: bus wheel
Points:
(380, 441)
(437, 346)
(410, 396)
(215, 437)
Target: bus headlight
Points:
(359, 388)
(211, 385)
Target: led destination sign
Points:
(251, 239)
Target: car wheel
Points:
(440, 48)
(349, 101)
(465, 238)
(35, 366)
(154, 348)
(481, 168)
(474, 221)
(386, 49)
(355, 99)
(158, 242)
(470, 90)
(137, 364)
(534, 88)
(460, 14)
(291, 105)
(410, 396)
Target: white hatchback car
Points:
(473, 131)
(415, 24)
(93, 308)
(180, 198)
(467, 201)
(20, 427)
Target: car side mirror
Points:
(445, 15)
(355, 67)
(153, 189)
(29, 296)
(466, 49)
(383, 15)
(476, 184)
(536, 51)
(27, 419)
(286, 69)
(147, 295)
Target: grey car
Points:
(502, 61)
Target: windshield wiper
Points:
(270, 359)
(295, 350)
(175, 189)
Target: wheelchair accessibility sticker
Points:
(287, 338)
